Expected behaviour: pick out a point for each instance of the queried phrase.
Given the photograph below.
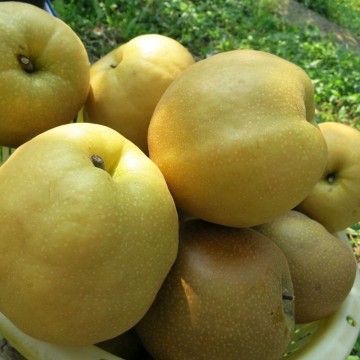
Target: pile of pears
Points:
(233, 139)
(236, 140)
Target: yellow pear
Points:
(228, 296)
(88, 233)
(127, 83)
(235, 137)
(44, 72)
(335, 199)
(322, 266)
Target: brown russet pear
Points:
(322, 266)
(228, 296)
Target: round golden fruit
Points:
(88, 232)
(127, 83)
(235, 137)
(335, 199)
(44, 72)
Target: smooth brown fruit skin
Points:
(322, 266)
(236, 140)
(335, 199)
(222, 299)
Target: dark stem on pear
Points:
(287, 296)
(98, 161)
(26, 63)
(330, 178)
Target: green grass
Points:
(345, 13)
(208, 27)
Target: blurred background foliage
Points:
(345, 13)
(211, 26)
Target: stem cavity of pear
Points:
(98, 161)
(26, 63)
(330, 178)
(287, 296)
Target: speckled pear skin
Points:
(236, 140)
(322, 266)
(223, 298)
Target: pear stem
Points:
(26, 63)
(287, 296)
(98, 161)
(330, 178)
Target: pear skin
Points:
(228, 296)
(88, 233)
(127, 83)
(235, 138)
(322, 266)
(335, 199)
